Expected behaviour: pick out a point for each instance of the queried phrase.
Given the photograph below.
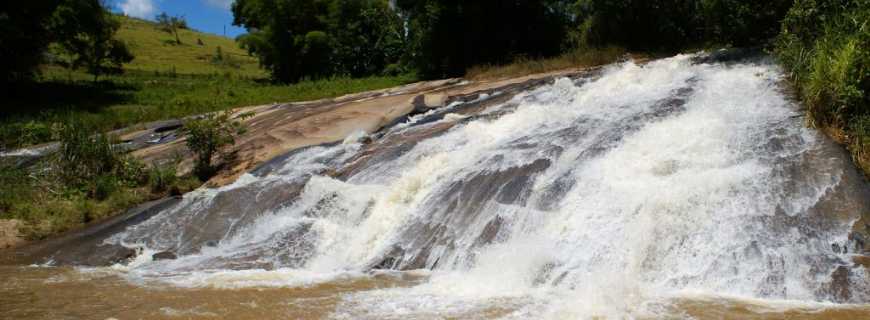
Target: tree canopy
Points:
(448, 36)
(673, 24)
(298, 39)
(83, 28)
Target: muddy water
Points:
(64, 293)
(673, 189)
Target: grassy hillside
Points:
(165, 80)
(156, 50)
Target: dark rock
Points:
(85, 247)
(168, 125)
(729, 55)
(839, 287)
(858, 242)
(165, 255)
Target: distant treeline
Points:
(298, 39)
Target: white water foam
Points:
(677, 175)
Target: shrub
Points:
(208, 135)
(162, 176)
(104, 186)
(84, 155)
(15, 185)
(824, 45)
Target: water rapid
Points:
(615, 193)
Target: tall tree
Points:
(298, 39)
(448, 36)
(24, 37)
(85, 30)
(675, 24)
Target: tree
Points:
(171, 24)
(448, 36)
(675, 24)
(25, 37)
(85, 30)
(298, 39)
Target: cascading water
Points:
(612, 194)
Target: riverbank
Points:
(273, 130)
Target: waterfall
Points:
(613, 193)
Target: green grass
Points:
(87, 180)
(164, 81)
(578, 58)
(135, 97)
(156, 50)
(824, 45)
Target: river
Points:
(671, 189)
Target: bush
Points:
(208, 135)
(825, 45)
(15, 185)
(84, 155)
(104, 186)
(162, 177)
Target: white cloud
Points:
(138, 8)
(224, 4)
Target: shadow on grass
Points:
(33, 98)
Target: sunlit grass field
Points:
(164, 81)
(156, 50)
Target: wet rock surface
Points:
(659, 182)
(85, 247)
(165, 255)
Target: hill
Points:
(155, 50)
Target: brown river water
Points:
(64, 293)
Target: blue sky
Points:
(204, 15)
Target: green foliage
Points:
(742, 22)
(87, 179)
(83, 155)
(208, 135)
(84, 28)
(85, 31)
(16, 185)
(826, 47)
(449, 36)
(25, 36)
(298, 39)
(29, 114)
(162, 177)
(676, 24)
